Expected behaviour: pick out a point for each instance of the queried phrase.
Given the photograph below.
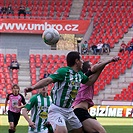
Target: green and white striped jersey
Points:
(39, 110)
(67, 83)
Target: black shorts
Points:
(82, 114)
(13, 117)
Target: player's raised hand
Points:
(4, 111)
(116, 58)
(32, 124)
(28, 89)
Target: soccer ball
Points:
(51, 36)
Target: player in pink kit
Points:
(84, 97)
(16, 102)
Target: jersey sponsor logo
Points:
(73, 93)
(43, 115)
(42, 108)
(14, 102)
(74, 84)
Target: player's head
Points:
(44, 91)
(73, 58)
(15, 89)
(86, 67)
(85, 42)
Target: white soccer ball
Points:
(51, 36)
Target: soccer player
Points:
(84, 98)
(16, 102)
(66, 84)
(38, 104)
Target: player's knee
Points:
(12, 126)
(102, 130)
(60, 129)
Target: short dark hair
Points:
(71, 57)
(86, 70)
(85, 66)
(15, 85)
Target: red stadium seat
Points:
(32, 60)
(34, 92)
(33, 70)
(15, 76)
(33, 81)
(33, 75)
(3, 94)
(38, 62)
(14, 56)
(129, 64)
(15, 71)
(1, 61)
(7, 75)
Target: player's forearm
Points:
(100, 66)
(93, 78)
(42, 83)
(5, 104)
(25, 114)
(21, 106)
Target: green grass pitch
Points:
(112, 125)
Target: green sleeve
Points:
(59, 75)
(32, 102)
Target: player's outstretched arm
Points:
(40, 84)
(6, 101)
(100, 66)
(97, 69)
(19, 107)
(25, 114)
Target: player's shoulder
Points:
(8, 95)
(49, 96)
(20, 95)
(34, 97)
(80, 72)
(63, 69)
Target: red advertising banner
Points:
(38, 26)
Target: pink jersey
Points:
(15, 100)
(85, 93)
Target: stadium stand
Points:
(40, 9)
(8, 76)
(111, 20)
(126, 94)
